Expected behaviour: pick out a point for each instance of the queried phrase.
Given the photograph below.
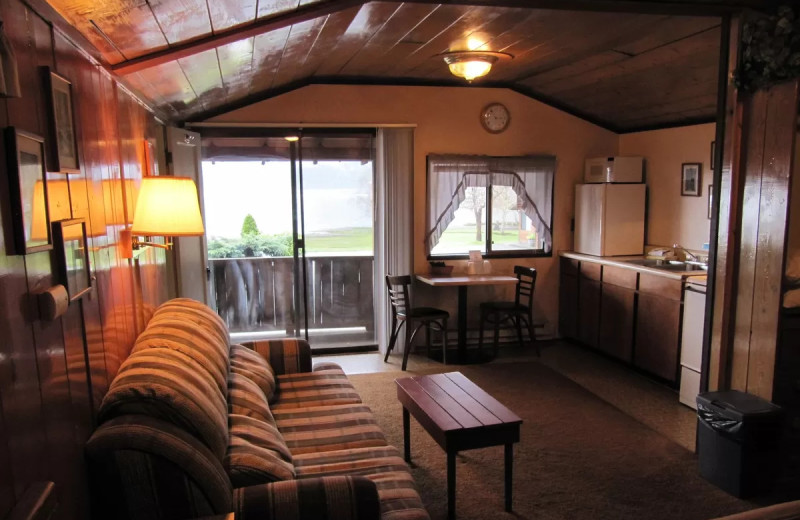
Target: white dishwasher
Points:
(694, 310)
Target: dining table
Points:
(463, 282)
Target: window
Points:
(502, 206)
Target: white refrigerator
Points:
(609, 219)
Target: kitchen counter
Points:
(620, 261)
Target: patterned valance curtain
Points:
(531, 178)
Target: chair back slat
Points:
(525, 286)
(398, 293)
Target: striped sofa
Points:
(193, 426)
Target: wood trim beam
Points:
(380, 81)
(260, 26)
(51, 16)
(667, 7)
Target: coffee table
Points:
(459, 415)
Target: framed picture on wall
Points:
(26, 193)
(690, 179)
(69, 237)
(64, 153)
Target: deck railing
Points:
(257, 294)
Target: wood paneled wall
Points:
(54, 374)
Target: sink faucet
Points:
(688, 255)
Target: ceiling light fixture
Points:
(472, 64)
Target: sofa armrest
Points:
(340, 497)
(286, 356)
(784, 511)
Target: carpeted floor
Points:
(579, 457)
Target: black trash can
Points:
(737, 441)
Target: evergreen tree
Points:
(249, 226)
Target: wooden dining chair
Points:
(518, 311)
(403, 312)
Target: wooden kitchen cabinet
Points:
(568, 301)
(589, 292)
(616, 321)
(628, 314)
(658, 320)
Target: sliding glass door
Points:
(290, 235)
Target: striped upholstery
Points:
(150, 468)
(251, 364)
(383, 465)
(189, 417)
(202, 346)
(246, 398)
(328, 428)
(285, 356)
(167, 384)
(257, 453)
(334, 498)
(195, 312)
(323, 387)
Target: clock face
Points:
(495, 118)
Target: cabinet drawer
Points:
(660, 286)
(569, 266)
(591, 271)
(620, 276)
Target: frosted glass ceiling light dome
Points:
(472, 64)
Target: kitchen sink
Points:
(667, 265)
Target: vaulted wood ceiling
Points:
(192, 58)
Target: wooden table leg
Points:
(509, 474)
(451, 485)
(406, 435)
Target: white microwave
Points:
(613, 169)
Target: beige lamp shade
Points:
(168, 207)
(119, 201)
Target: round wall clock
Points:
(495, 118)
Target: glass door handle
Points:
(300, 243)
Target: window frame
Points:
(509, 253)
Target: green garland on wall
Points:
(770, 50)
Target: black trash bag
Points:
(719, 422)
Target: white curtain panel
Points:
(531, 178)
(394, 219)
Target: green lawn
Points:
(464, 237)
(348, 240)
(360, 239)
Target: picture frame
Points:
(69, 238)
(710, 201)
(64, 142)
(26, 193)
(691, 176)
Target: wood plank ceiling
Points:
(625, 71)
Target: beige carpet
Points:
(579, 457)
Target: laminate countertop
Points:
(698, 277)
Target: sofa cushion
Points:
(202, 346)
(322, 387)
(246, 398)
(384, 466)
(195, 312)
(257, 453)
(261, 433)
(328, 428)
(251, 364)
(169, 385)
